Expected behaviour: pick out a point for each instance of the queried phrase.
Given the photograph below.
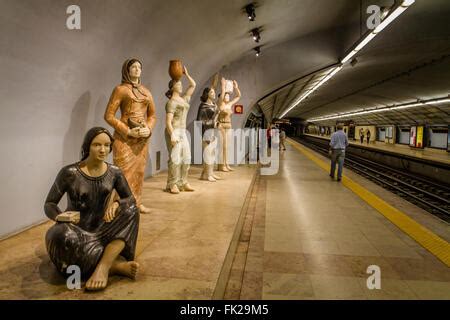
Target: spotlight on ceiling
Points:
(256, 35)
(250, 10)
(258, 51)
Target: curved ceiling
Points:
(408, 61)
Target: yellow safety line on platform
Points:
(430, 241)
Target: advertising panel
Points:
(419, 137)
(412, 136)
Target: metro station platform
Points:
(427, 154)
(293, 235)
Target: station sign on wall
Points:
(239, 109)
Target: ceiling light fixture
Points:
(258, 51)
(384, 23)
(250, 10)
(381, 109)
(256, 35)
(327, 77)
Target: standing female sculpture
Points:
(207, 114)
(100, 239)
(225, 112)
(176, 139)
(134, 128)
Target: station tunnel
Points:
(298, 86)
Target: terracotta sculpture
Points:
(176, 139)
(134, 128)
(101, 240)
(208, 113)
(225, 112)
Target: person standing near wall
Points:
(338, 144)
(361, 135)
(282, 139)
(368, 136)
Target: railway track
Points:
(422, 192)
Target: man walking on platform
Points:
(338, 143)
(361, 135)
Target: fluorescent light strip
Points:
(361, 112)
(398, 11)
(437, 101)
(308, 92)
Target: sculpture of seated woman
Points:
(101, 241)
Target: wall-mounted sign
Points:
(239, 109)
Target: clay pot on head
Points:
(175, 69)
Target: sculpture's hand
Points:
(144, 132)
(235, 84)
(111, 212)
(173, 141)
(134, 132)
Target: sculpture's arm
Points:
(55, 194)
(191, 88)
(170, 110)
(110, 114)
(123, 189)
(238, 94)
(222, 92)
(169, 127)
(151, 114)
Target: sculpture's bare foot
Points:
(224, 169)
(143, 209)
(174, 189)
(187, 187)
(216, 177)
(128, 269)
(229, 168)
(99, 279)
(211, 179)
